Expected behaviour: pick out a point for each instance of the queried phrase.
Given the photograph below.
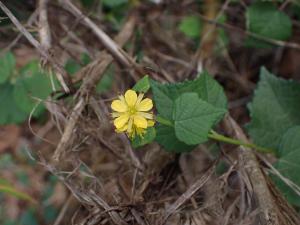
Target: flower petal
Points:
(139, 99)
(130, 97)
(116, 114)
(139, 121)
(122, 129)
(145, 105)
(129, 128)
(121, 121)
(150, 123)
(146, 115)
(119, 106)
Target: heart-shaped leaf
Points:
(288, 163)
(264, 19)
(10, 112)
(194, 118)
(7, 66)
(165, 136)
(274, 109)
(32, 84)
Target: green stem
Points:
(18, 194)
(164, 121)
(218, 137)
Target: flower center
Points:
(132, 110)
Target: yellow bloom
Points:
(131, 114)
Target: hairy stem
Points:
(164, 121)
(218, 137)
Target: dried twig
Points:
(288, 213)
(268, 211)
(85, 196)
(69, 129)
(189, 193)
(44, 29)
(63, 210)
(61, 74)
(93, 73)
(209, 34)
(30, 21)
(109, 44)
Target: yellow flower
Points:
(131, 114)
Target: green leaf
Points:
(29, 217)
(7, 66)
(207, 88)
(191, 26)
(296, 10)
(87, 3)
(30, 69)
(264, 19)
(50, 214)
(85, 59)
(6, 162)
(288, 163)
(290, 142)
(148, 137)
(72, 66)
(142, 85)
(165, 136)
(10, 222)
(32, 84)
(210, 91)
(194, 118)
(10, 112)
(223, 37)
(274, 109)
(23, 178)
(106, 82)
(164, 95)
(114, 3)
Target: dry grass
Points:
(109, 182)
